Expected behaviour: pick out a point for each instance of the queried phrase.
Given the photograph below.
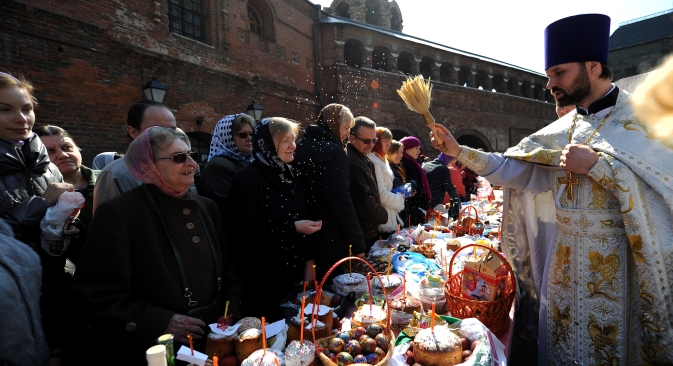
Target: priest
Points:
(588, 212)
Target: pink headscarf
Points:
(140, 161)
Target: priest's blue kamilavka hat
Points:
(584, 37)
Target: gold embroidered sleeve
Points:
(474, 159)
(601, 173)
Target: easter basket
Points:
(468, 225)
(323, 344)
(494, 314)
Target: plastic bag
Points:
(56, 224)
(405, 189)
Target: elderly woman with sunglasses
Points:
(154, 261)
(271, 221)
(230, 152)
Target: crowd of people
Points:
(154, 250)
(587, 219)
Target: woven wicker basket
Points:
(468, 225)
(494, 314)
(323, 342)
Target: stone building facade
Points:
(640, 45)
(90, 59)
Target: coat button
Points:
(190, 225)
(131, 326)
(196, 240)
(186, 211)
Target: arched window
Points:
(256, 25)
(260, 18)
(404, 62)
(342, 10)
(353, 53)
(380, 58)
(426, 67)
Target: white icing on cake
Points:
(440, 341)
(299, 354)
(347, 282)
(391, 281)
(260, 358)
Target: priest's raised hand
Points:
(450, 145)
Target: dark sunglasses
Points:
(244, 135)
(366, 141)
(181, 157)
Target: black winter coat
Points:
(215, 183)
(128, 281)
(439, 179)
(420, 199)
(264, 238)
(324, 168)
(365, 194)
(25, 173)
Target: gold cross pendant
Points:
(569, 181)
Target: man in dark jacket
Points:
(439, 178)
(364, 189)
(323, 166)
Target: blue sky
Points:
(510, 31)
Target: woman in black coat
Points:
(324, 168)
(269, 221)
(416, 173)
(154, 262)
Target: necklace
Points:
(568, 180)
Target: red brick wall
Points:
(86, 76)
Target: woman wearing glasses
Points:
(153, 262)
(230, 152)
(270, 226)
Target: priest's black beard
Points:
(580, 91)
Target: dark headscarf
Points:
(264, 148)
(330, 119)
(410, 142)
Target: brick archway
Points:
(473, 139)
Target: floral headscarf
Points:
(222, 143)
(140, 161)
(264, 149)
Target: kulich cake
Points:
(294, 330)
(438, 348)
(248, 323)
(248, 342)
(347, 282)
(406, 304)
(453, 244)
(262, 358)
(220, 345)
(390, 283)
(300, 354)
(364, 317)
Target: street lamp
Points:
(154, 90)
(254, 110)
